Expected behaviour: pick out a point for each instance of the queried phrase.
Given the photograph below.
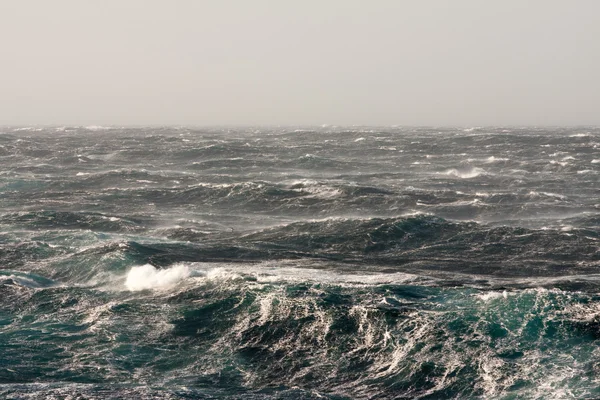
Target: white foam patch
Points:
(580, 134)
(22, 280)
(315, 189)
(533, 193)
(268, 272)
(562, 164)
(148, 277)
(493, 159)
(97, 128)
(488, 160)
(466, 173)
(492, 295)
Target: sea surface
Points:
(292, 263)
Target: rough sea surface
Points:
(283, 263)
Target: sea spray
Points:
(149, 277)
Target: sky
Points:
(310, 62)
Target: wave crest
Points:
(149, 277)
(465, 173)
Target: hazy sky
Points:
(377, 62)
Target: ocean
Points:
(299, 263)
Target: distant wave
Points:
(465, 173)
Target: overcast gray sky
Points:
(378, 62)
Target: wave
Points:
(357, 339)
(422, 243)
(19, 253)
(434, 243)
(41, 220)
(29, 280)
(465, 173)
(586, 134)
(303, 197)
(89, 179)
(148, 277)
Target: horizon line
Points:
(321, 126)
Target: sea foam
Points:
(465, 173)
(148, 277)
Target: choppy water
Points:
(384, 263)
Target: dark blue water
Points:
(339, 263)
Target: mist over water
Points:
(331, 262)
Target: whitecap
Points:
(148, 277)
(534, 193)
(493, 159)
(465, 173)
(492, 295)
(562, 164)
(580, 135)
(97, 128)
(315, 189)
